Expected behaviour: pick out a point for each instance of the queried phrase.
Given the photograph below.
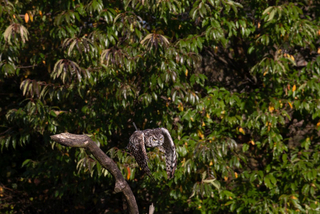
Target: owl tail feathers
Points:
(171, 167)
(171, 173)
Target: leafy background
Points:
(236, 83)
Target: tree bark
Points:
(83, 141)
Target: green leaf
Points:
(271, 15)
(245, 147)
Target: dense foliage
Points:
(235, 82)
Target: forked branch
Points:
(83, 141)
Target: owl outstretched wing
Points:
(138, 150)
(170, 153)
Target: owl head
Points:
(154, 138)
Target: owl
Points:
(159, 137)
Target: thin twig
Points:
(27, 66)
(135, 126)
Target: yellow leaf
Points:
(280, 104)
(129, 173)
(31, 17)
(293, 197)
(271, 109)
(318, 124)
(236, 175)
(208, 116)
(252, 142)
(192, 119)
(290, 105)
(294, 88)
(265, 73)
(242, 131)
(216, 49)
(292, 57)
(203, 124)
(26, 17)
(200, 134)
(183, 161)
(14, 16)
(186, 73)
(40, 13)
(210, 163)
(225, 178)
(318, 51)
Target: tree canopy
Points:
(235, 82)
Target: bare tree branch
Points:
(83, 141)
(151, 209)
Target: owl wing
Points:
(170, 153)
(138, 150)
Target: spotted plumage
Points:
(159, 137)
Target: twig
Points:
(135, 126)
(5, 131)
(27, 66)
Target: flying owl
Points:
(159, 137)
